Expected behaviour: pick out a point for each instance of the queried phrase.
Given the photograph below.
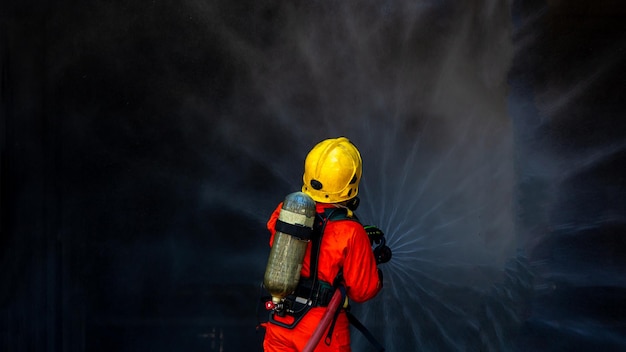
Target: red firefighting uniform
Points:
(344, 245)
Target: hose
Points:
(325, 322)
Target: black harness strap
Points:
(318, 231)
(316, 242)
(329, 336)
(302, 232)
(321, 220)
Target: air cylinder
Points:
(293, 232)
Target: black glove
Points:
(382, 253)
(374, 233)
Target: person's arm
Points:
(360, 273)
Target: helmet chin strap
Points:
(350, 205)
(353, 203)
(343, 205)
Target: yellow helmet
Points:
(332, 171)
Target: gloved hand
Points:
(382, 253)
(374, 233)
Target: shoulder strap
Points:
(340, 214)
(318, 231)
(316, 241)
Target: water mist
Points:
(420, 89)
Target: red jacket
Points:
(344, 245)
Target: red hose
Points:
(333, 305)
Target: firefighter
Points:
(342, 257)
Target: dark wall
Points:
(568, 111)
(117, 221)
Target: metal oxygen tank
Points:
(293, 231)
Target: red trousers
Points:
(280, 339)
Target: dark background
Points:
(144, 144)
